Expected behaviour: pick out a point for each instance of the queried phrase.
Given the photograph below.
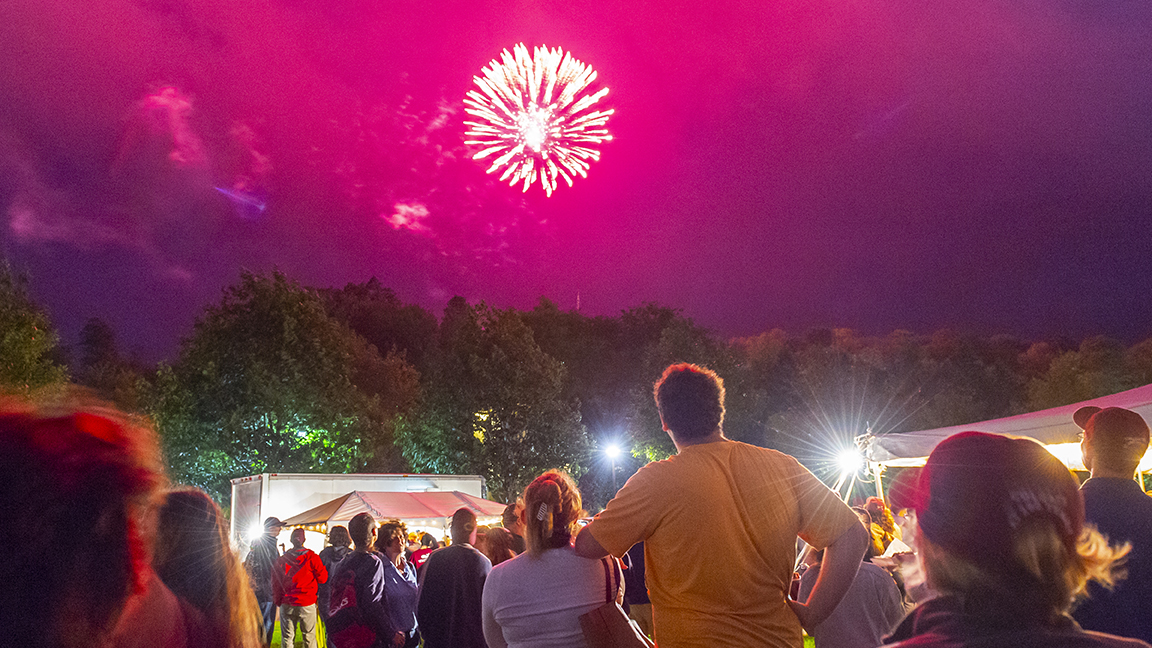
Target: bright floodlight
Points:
(255, 531)
(850, 461)
(612, 451)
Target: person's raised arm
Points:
(837, 571)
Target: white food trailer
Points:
(283, 495)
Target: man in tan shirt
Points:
(719, 521)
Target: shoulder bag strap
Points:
(609, 591)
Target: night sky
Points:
(982, 165)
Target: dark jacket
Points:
(330, 557)
(296, 577)
(945, 622)
(259, 563)
(1121, 511)
(364, 605)
(451, 589)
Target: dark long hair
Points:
(195, 561)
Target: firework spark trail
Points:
(535, 116)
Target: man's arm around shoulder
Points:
(587, 546)
(837, 571)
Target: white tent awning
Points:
(1052, 427)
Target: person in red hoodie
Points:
(295, 579)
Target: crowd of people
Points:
(993, 543)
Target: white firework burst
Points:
(535, 115)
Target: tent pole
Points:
(840, 482)
(877, 471)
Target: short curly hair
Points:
(690, 399)
(389, 531)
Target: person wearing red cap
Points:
(1002, 538)
(718, 497)
(1115, 440)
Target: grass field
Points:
(808, 643)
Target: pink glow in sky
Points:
(982, 165)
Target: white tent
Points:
(1052, 427)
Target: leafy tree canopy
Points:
(269, 382)
(494, 405)
(27, 339)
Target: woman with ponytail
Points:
(536, 598)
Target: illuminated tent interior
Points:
(425, 509)
(1052, 427)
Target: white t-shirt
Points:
(537, 602)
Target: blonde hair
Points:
(1045, 577)
(552, 505)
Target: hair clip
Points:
(542, 511)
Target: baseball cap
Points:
(272, 522)
(978, 489)
(1114, 428)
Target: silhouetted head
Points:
(463, 526)
(690, 400)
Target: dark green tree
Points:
(102, 369)
(269, 382)
(1096, 369)
(378, 315)
(27, 339)
(494, 405)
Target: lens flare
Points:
(535, 115)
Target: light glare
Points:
(850, 461)
(612, 451)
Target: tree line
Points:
(281, 377)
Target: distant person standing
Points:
(339, 546)
(719, 522)
(870, 609)
(499, 545)
(452, 588)
(636, 590)
(295, 581)
(400, 584)
(259, 564)
(515, 525)
(358, 609)
(427, 546)
(1115, 440)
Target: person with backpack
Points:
(357, 609)
(339, 545)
